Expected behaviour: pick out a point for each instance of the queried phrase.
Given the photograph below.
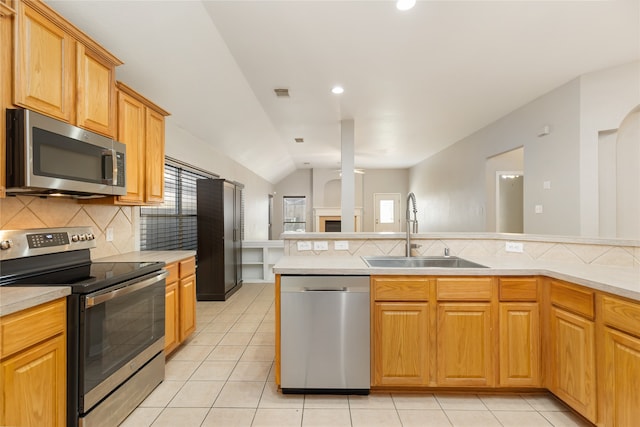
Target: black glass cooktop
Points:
(87, 278)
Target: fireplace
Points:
(329, 219)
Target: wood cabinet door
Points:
(171, 322)
(519, 345)
(622, 379)
(131, 132)
(6, 71)
(95, 86)
(45, 68)
(34, 383)
(573, 369)
(155, 157)
(465, 349)
(401, 343)
(187, 306)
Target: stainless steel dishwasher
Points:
(325, 339)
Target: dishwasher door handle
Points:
(343, 289)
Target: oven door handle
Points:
(92, 301)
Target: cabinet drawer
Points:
(621, 314)
(173, 272)
(400, 288)
(464, 288)
(518, 289)
(572, 298)
(26, 328)
(187, 267)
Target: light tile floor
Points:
(224, 376)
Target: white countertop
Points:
(167, 257)
(13, 299)
(620, 281)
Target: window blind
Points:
(173, 224)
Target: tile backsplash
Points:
(580, 253)
(23, 212)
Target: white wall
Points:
(297, 183)
(182, 145)
(606, 98)
(315, 183)
(450, 186)
(384, 181)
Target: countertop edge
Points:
(18, 298)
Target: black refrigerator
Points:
(220, 216)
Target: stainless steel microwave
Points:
(48, 157)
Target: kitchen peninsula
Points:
(563, 314)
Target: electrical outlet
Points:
(109, 234)
(514, 247)
(320, 246)
(538, 209)
(341, 245)
(304, 246)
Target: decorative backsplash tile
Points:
(22, 212)
(622, 256)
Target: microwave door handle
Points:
(109, 155)
(114, 170)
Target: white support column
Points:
(347, 135)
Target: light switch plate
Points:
(304, 246)
(538, 209)
(320, 246)
(109, 234)
(341, 245)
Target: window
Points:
(173, 224)
(294, 211)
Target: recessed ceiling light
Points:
(405, 4)
(337, 90)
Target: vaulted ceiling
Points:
(415, 81)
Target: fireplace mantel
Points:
(320, 215)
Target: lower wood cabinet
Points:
(519, 344)
(401, 343)
(573, 361)
(33, 365)
(465, 350)
(180, 300)
(622, 379)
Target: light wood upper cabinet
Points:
(131, 132)
(141, 128)
(465, 349)
(573, 363)
(96, 106)
(61, 72)
(7, 16)
(33, 366)
(45, 66)
(155, 156)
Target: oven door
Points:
(121, 329)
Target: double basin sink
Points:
(419, 262)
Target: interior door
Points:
(387, 212)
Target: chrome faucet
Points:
(413, 222)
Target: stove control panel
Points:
(41, 241)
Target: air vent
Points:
(299, 140)
(282, 93)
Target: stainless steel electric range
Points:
(115, 318)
